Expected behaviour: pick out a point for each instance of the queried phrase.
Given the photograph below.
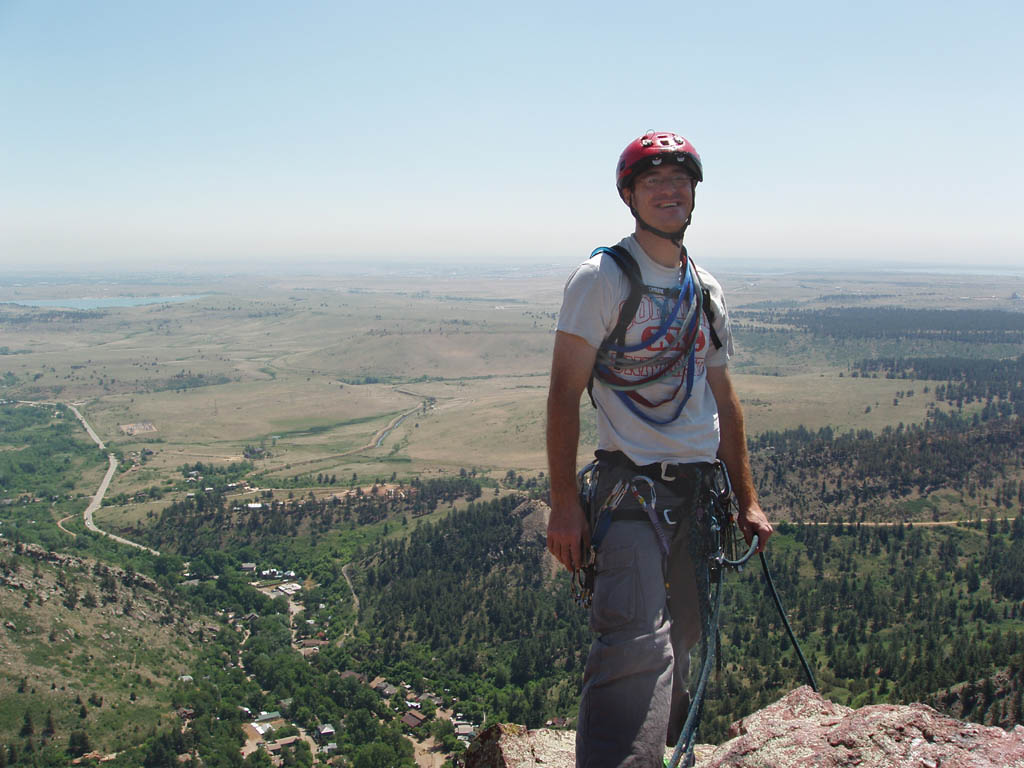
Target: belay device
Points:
(722, 547)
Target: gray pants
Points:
(646, 618)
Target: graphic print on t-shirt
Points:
(654, 307)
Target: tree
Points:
(27, 729)
(49, 729)
(375, 755)
(78, 743)
(258, 759)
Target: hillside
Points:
(87, 647)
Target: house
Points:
(262, 728)
(325, 733)
(413, 719)
(275, 747)
(249, 567)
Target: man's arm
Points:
(571, 364)
(732, 449)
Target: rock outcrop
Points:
(801, 730)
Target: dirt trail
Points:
(355, 599)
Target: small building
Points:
(325, 733)
(262, 728)
(276, 747)
(413, 719)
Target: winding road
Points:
(97, 499)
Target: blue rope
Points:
(691, 330)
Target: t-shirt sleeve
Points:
(590, 304)
(716, 358)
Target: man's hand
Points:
(753, 521)
(568, 534)
(732, 449)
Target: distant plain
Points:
(313, 370)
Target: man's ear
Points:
(627, 195)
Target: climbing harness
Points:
(715, 541)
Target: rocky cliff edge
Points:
(801, 730)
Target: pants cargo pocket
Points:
(617, 598)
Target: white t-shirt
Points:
(593, 298)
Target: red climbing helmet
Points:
(653, 149)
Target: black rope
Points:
(687, 740)
(789, 630)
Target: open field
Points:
(312, 371)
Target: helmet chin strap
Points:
(676, 236)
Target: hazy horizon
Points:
(460, 269)
(176, 136)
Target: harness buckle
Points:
(665, 465)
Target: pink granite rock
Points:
(801, 730)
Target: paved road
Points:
(97, 500)
(92, 434)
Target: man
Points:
(665, 409)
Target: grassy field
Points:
(313, 371)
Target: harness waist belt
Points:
(682, 479)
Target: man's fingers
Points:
(563, 553)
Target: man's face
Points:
(663, 197)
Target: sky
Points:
(156, 135)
